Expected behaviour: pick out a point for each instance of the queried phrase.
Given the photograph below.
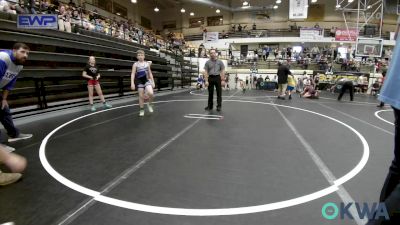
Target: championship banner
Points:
(298, 9)
(210, 36)
(346, 35)
(311, 33)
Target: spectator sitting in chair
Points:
(76, 21)
(45, 7)
(259, 81)
(240, 28)
(29, 6)
(10, 8)
(329, 69)
(375, 88)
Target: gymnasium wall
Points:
(324, 10)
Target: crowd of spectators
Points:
(324, 57)
(72, 18)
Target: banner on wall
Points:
(210, 36)
(346, 35)
(33, 21)
(316, 12)
(298, 9)
(311, 33)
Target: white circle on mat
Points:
(384, 120)
(206, 212)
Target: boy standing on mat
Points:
(142, 80)
(291, 85)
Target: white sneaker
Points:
(141, 112)
(9, 149)
(9, 223)
(21, 136)
(9, 178)
(150, 107)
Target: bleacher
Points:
(273, 64)
(52, 76)
(264, 33)
(253, 34)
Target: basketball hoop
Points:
(369, 47)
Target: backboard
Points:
(370, 47)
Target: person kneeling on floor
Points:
(310, 92)
(11, 63)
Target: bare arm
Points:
(205, 76)
(151, 74)
(15, 162)
(5, 94)
(133, 74)
(222, 74)
(84, 74)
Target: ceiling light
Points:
(134, 1)
(191, 13)
(245, 3)
(183, 10)
(337, 6)
(350, 1)
(313, 1)
(156, 9)
(217, 11)
(275, 6)
(278, 1)
(369, 6)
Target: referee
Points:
(214, 75)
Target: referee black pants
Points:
(347, 85)
(214, 81)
